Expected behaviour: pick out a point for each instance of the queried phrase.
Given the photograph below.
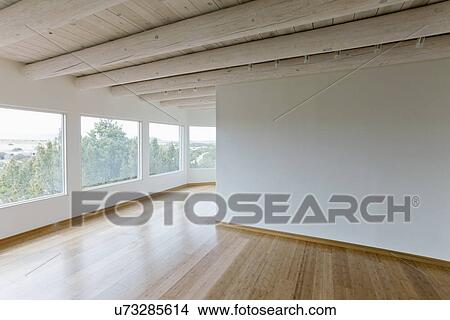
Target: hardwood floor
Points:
(185, 261)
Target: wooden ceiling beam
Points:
(437, 47)
(189, 102)
(23, 19)
(201, 107)
(382, 29)
(181, 94)
(205, 107)
(248, 19)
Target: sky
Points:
(168, 132)
(164, 132)
(202, 134)
(131, 128)
(29, 125)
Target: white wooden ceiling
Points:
(135, 16)
(113, 23)
(138, 15)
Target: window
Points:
(202, 147)
(164, 148)
(110, 151)
(31, 155)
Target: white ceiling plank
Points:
(248, 19)
(181, 94)
(362, 33)
(189, 102)
(435, 48)
(18, 20)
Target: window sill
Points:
(39, 199)
(103, 186)
(165, 174)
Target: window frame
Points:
(111, 184)
(189, 148)
(181, 152)
(64, 154)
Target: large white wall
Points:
(382, 131)
(60, 95)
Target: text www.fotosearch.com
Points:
(223, 310)
(249, 310)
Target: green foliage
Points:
(24, 178)
(202, 155)
(164, 157)
(108, 155)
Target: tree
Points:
(23, 178)
(47, 166)
(164, 157)
(108, 155)
(202, 155)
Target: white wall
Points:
(59, 94)
(383, 131)
(202, 118)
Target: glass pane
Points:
(202, 147)
(31, 155)
(164, 148)
(109, 151)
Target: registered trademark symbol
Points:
(415, 201)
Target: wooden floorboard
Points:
(186, 261)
